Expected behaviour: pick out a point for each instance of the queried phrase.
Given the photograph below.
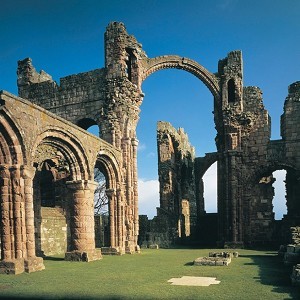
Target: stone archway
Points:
(17, 220)
(69, 166)
(152, 65)
(108, 165)
(112, 96)
(261, 225)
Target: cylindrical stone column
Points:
(6, 251)
(111, 204)
(135, 189)
(27, 174)
(119, 218)
(17, 211)
(81, 207)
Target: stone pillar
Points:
(17, 221)
(11, 221)
(121, 224)
(81, 206)
(135, 192)
(18, 211)
(6, 242)
(230, 216)
(112, 226)
(32, 262)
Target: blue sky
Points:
(66, 37)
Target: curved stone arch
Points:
(207, 161)
(85, 123)
(176, 62)
(12, 147)
(108, 160)
(70, 147)
(267, 170)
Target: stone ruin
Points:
(47, 160)
(291, 254)
(216, 259)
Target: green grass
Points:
(253, 275)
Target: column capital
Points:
(82, 185)
(134, 142)
(110, 192)
(27, 172)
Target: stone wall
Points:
(43, 140)
(176, 179)
(51, 232)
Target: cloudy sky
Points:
(65, 37)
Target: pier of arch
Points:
(39, 138)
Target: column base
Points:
(12, 266)
(85, 256)
(132, 248)
(112, 251)
(33, 264)
(137, 249)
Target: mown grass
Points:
(253, 275)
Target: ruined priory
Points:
(47, 160)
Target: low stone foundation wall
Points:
(212, 261)
(216, 259)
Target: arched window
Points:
(231, 91)
(131, 59)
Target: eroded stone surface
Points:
(47, 158)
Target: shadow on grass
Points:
(272, 271)
(190, 263)
(53, 258)
(67, 298)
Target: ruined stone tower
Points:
(47, 159)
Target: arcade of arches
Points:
(47, 160)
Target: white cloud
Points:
(141, 147)
(148, 197)
(149, 193)
(151, 154)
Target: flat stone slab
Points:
(194, 281)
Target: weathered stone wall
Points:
(176, 178)
(33, 137)
(78, 97)
(51, 234)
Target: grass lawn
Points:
(253, 275)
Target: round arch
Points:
(85, 123)
(108, 165)
(12, 148)
(71, 149)
(176, 62)
(264, 171)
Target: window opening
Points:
(210, 189)
(231, 91)
(279, 200)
